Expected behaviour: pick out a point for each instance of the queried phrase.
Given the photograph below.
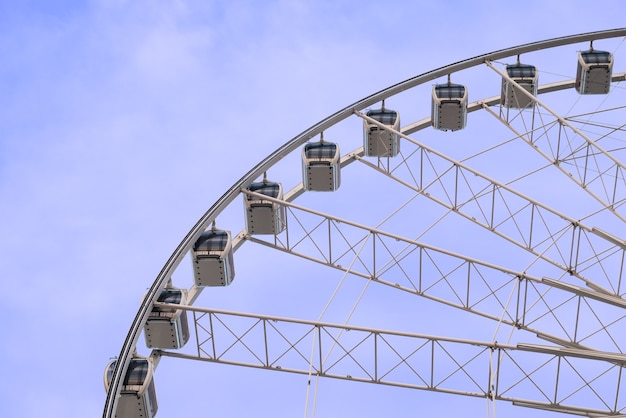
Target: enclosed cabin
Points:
(168, 327)
(264, 216)
(137, 394)
(593, 74)
(212, 259)
(379, 141)
(524, 77)
(320, 166)
(449, 107)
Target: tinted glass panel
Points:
(386, 116)
(212, 241)
(170, 296)
(137, 372)
(268, 189)
(521, 71)
(320, 150)
(450, 91)
(596, 57)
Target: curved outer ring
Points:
(185, 245)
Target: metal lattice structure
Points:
(461, 367)
(516, 219)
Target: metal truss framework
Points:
(583, 317)
(568, 244)
(561, 379)
(560, 142)
(582, 376)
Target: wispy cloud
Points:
(121, 122)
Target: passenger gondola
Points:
(379, 141)
(525, 76)
(593, 74)
(449, 107)
(320, 166)
(137, 395)
(212, 259)
(168, 327)
(264, 216)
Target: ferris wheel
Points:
(462, 232)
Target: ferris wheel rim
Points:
(205, 220)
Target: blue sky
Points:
(121, 122)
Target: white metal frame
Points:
(580, 243)
(429, 365)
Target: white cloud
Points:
(123, 121)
